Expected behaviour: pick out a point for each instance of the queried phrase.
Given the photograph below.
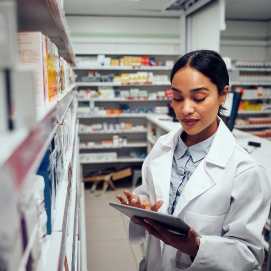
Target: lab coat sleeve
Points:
(240, 246)
(137, 234)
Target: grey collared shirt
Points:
(185, 161)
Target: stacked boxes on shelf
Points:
(53, 165)
(110, 127)
(125, 61)
(22, 224)
(52, 73)
(126, 78)
(129, 94)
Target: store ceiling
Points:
(235, 9)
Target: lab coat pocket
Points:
(205, 224)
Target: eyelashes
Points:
(196, 100)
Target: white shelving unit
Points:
(125, 68)
(256, 85)
(51, 21)
(136, 138)
(23, 150)
(119, 84)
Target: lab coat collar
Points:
(210, 170)
(219, 155)
(222, 147)
(171, 141)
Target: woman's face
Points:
(196, 103)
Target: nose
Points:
(187, 107)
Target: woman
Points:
(201, 175)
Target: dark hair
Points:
(209, 63)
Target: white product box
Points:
(32, 50)
(10, 226)
(8, 34)
(4, 115)
(23, 97)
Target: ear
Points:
(224, 94)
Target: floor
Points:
(108, 247)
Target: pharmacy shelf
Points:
(62, 204)
(151, 140)
(75, 159)
(84, 160)
(128, 145)
(82, 230)
(122, 99)
(251, 112)
(31, 145)
(53, 251)
(61, 104)
(255, 98)
(123, 115)
(251, 83)
(10, 141)
(102, 132)
(63, 190)
(256, 69)
(47, 115)
(70, 228)
(253, 126)
(27, 251)
(48, 17)
(117, 84)
(124, 68)
(76, 239)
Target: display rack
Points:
(119, 84)
(255, 110)
(23, 151)
(139, 107)
(36, 140)
(46, 16)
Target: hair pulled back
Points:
(210, 64)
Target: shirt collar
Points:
(197, 152)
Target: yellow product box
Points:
(125, 77)
(117, 78)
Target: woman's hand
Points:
(135, 201)
(186, 244)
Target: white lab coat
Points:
(226, 200)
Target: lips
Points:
(189, 122)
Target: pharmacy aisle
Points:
(108, 247)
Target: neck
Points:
(191, 140)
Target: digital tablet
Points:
(172, 223)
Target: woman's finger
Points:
(146, 204)
(121, 199)
(156, 206)
(128, 195)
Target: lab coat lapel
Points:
(197, 184)
(161, 168)
(161, 174)
(210, 169)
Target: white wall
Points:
(127, 35)
(268, 50)
(245, 40)
(205, 28)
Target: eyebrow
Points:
(192, 90)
